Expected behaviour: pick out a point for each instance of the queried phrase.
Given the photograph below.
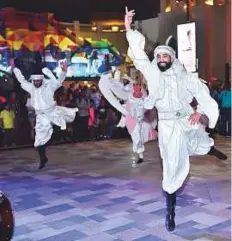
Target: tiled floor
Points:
(90, 192)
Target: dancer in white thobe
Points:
(180, 130)
(47, 112)
(140, 123)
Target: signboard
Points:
(186, 40)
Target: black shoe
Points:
(170, 216)
(170, 222)
(43, 162)
(42, 156)
(214, 152)
(140, 161)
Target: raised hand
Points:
(64, 66)
(195, 118)
(12, 63)
(128, 19)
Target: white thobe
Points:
(140, 131)
(47, 112)
(171, 93)
(132, 111)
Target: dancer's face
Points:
(37, 83)
(164, 61)
(137, 91)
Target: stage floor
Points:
(90, 191)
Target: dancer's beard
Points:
(163, 66)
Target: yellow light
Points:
(115, 28)
(88, 85)
(209, 2)
(94, 28)
(185, 6)
(107, 30)
(85, 82)
(111, 23)
(168, 9)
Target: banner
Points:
(186, 40)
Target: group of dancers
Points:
(171, 89)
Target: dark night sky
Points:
(87, 10)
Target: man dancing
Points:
(180, 130)
(140, 122)
(47, 112)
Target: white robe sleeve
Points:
(54, 82)
(207, 104)
(23, 82)
(108, 86)
(140, 59)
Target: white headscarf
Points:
(35, 77)
(164, 49)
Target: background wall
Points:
(213, 34)
(168, 24)
(211, 40)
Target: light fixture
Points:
(209, 2)
(168, 6)
(115, 28)
(168, 9)
(85, 82)
(94, 28)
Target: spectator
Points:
(7, 118)
(111, 121)
(95, 96)
(82, 118)
(91, 120)
(31, 117)
(72, 88)
(225, 100)
(102, 110)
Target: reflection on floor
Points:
(89, 191)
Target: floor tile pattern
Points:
(90, 192)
